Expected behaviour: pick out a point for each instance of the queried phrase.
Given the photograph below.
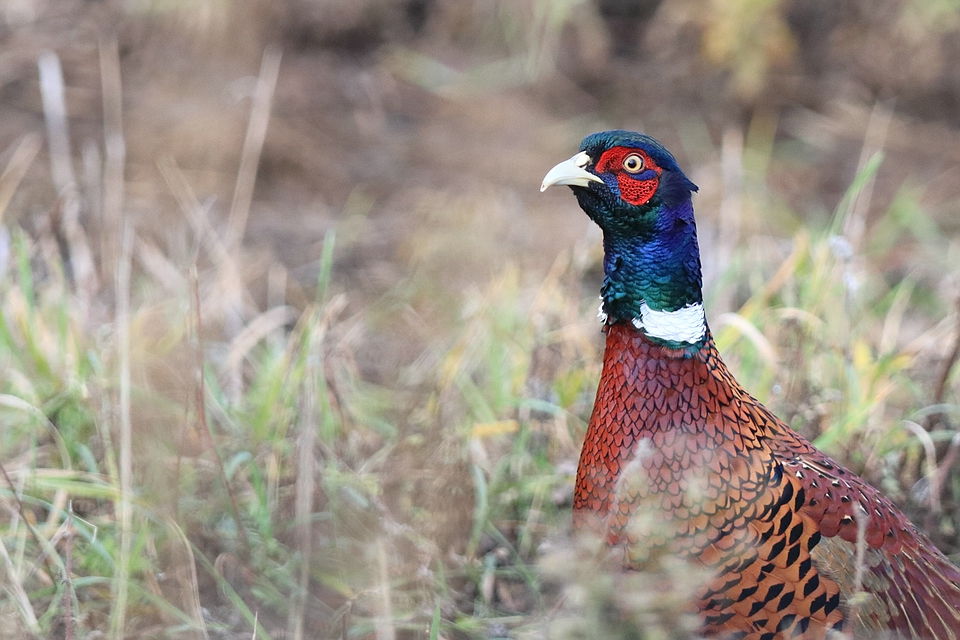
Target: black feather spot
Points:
(800, 500)
(796, 532)
(819, 603)
(787, 494)
(784, 522)
(793, 554)
(776, 549)
(766, 535)
(811, 585)
(785, 600)
(746, 592)
(833, 603)
(730, 584)
(774, 591)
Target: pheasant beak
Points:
(570, 172)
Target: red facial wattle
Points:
(635, 188)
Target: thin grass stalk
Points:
(92, 160)
(120, 587)
(894, 318)
(325, 314)
(113, 175)
(68, 576)
(204, 426)
(193, 606)
(55, 117)
(948, 364)
(240, 206)
(65, 224)
(253, 146)
(384, 625)
(326, 266)
(305, 489)
(930, 450)
(865, 175)
(435, 623)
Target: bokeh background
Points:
(292, 345)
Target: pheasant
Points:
(678, 456)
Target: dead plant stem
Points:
(202, 412)
(125, 507)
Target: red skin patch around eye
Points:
(632, 190)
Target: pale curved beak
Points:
(570, 172)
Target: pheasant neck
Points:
(653, 280)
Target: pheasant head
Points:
(633, 188)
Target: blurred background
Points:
(292, 345)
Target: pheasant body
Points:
(679, 459)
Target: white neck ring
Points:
(687, 324)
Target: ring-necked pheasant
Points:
(679, 457)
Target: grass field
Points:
(200, 442)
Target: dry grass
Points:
(321, 369)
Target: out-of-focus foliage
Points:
(748, 37)
(340, 390)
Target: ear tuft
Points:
(675, 188)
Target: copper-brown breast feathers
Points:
(678, 457)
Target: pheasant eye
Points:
(633, 163)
